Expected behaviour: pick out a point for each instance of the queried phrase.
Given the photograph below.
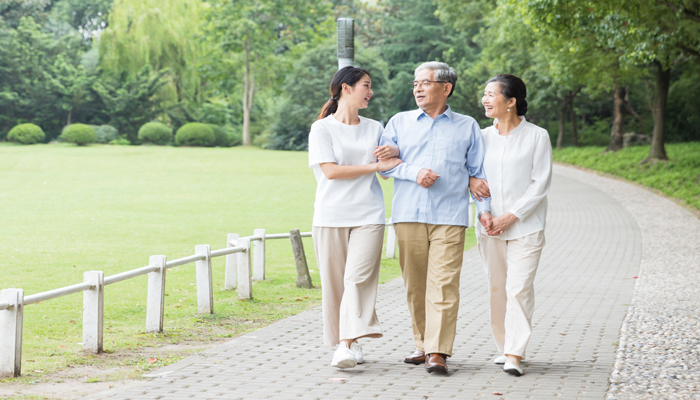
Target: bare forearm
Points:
(334, 171)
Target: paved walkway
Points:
(584, 287)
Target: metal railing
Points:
(245, 263)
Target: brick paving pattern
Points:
(583, 289)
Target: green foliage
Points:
(679, 177)
(79, 134)
(121, 141)
(130, 100)
(105, 133)
(683, 120)
(195, 134)
(222, 137)
(26, 134)
(292, 117)
(87, 15)
(155, 133)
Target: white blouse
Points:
(519, 172)
(346, 202)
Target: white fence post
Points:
(155, 303)
(230, 280)
(93, 311)
(390, 240)
(245, 281)
(11, 333)
(205, 289)
(259, 256)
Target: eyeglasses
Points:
(425, 83)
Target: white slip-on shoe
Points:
(512, 369)
(343, 357)
(357, 352)
(500, 360)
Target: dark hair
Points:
(348, 75)
(512, 87)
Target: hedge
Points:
(26, 134)
(195, 134)
(79, 134)
(105, 133)
(155, 133)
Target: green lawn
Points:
(679, 177)
(68, 209)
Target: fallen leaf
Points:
(337, 379)
(72, 322)
(152, 360)
(497, 393)
(60, 345)
(299, 300)
(634, 277)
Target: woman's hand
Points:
(479, 188)
(501, 223)
(386, 152)
(385, 165)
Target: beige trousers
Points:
(510, 269)
(349, 260)
(431, 262)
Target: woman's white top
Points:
(519, 172)
(346, 202)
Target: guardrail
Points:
(245, 263)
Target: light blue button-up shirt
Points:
(451, 146)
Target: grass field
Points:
(679, 177)
(68, 209)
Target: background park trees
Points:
(594, 69)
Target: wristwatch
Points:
(482, 213)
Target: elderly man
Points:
(440, 150)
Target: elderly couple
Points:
(436, 156)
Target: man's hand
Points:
(486, 220)
(501, 223)
(426, 177)
(479, 188)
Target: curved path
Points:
(584, 289)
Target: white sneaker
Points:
(357, 351)
(500, 360)
(512, 369)
(343, 357)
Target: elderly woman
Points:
(518, 166)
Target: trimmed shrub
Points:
(223, 137)
(105, 133)
(79, 134)
(155, 133)
(195, 134)
(26, 134)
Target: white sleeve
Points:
(541, 178)
(320, 147)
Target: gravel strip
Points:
(658, 356)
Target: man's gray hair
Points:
(443, 72)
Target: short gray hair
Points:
(443, 72)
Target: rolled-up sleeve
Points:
(404, 171)
(320, 147)
(541, 178)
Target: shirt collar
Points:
(448, 113)
(517, 128)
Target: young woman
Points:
(348, 225)
(518, 166)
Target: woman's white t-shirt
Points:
(346, 202)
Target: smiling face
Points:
(359, 94)
(495, 103)
(430, 95)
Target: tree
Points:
(161, 34)
(259, 31)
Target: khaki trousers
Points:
(431, 262)
(349, 260)
(510, 269)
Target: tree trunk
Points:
(246, 96)
(617, 126)
(562, 122)
(70, 113)
(572, 116)
(658, 111)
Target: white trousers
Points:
(349, 260)
(510, 269)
